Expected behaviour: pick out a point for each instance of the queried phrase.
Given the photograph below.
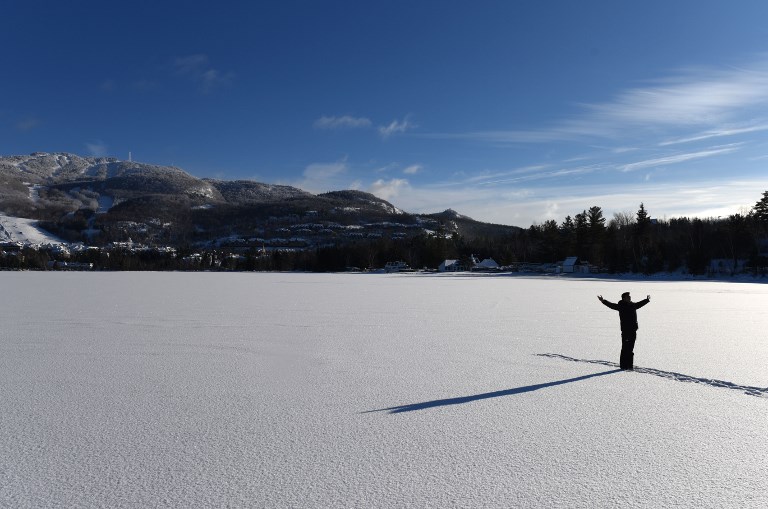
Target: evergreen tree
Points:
(567, 226)
(643, 221)
(642, 241)
(735, 241)
(596, 234)
(760, 210)
(759, 216)
(552, 241)
(596, 219)
(697, 259)
(581, 227)
(568, 232)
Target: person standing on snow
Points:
(628, 318)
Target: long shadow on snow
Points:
(496, 394)
(746, 389)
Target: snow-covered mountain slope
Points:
(24, 231)
(65, 191)
(67, 177)
(363, 199)
(249, 192)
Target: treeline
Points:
(627, 242)
(637, 243)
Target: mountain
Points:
(363, 200)
(105, 200)
(244, 192)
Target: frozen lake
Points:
(362, 390)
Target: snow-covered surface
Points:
(25, 231)
(105, 203)
(34, 192)
(361, 390)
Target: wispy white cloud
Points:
(623, 150)
(198, 68)
(412, 169)
(325, 170)
(715, 134)
(693, 97)
(389, 189)
(97, 149)
(213, 78)
(191, 64)
(28, 124)
(709, 98)
(507, 137)
(678, 158)
(351, 122)
(323, 177)
(540, 175)
(343, 122)
(387, 168)
(396, 126)
(501, 175)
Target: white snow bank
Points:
(358, 390)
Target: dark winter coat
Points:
(627, 313)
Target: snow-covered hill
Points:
(104, 200)
(65, 190)
(125, 179)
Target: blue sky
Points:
(511, 112)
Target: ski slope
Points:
(25, 231)
(363, 390)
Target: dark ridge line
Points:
(746, 389)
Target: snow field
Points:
(19, 229)
(360, 390)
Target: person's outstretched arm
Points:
(606, 303)
(643, 302)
